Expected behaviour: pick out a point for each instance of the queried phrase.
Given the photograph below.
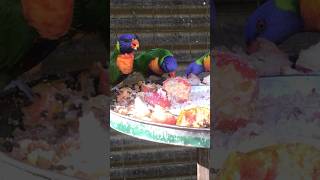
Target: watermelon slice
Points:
(157, 98)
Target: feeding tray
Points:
(32, 170)
(165, 133)
(282, 85)
(161, 133)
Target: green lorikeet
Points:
(156, 62)
(122, 58)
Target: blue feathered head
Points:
(272, 23)
(169, 64)
(128, 43)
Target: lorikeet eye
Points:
(261, 25)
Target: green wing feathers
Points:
(114, 72)
(141, 62)
(288, 5)
(143, 59)
(200, 60)
(16, 36)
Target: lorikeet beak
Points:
(172, 74)
(135, 44)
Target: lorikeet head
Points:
(273, 23)
(169, 65)
(128, 43)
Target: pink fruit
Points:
(155, 98)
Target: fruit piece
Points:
(194, 80)
(194, 117)
(140, 108)
(161, 116)
(157, 98)
(226, 59)
(52, 19)
(125, 96)
(293, 161)
(148, 87)
(236, 87)
(178, 89)
(206, 80)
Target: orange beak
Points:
(172, 74)
(135, 44)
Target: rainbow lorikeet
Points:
(277, 20)
(156, 61)
(122, 58)
(199, 66)
(202, 64)
(31, 30)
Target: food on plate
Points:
(206, 80)
(194, 80)
(194, 117)
(159, 115)
(125, 96)
(178, 89)
(279, 118)
(283, 161)
(157, 98)
(236, 78)
(163, 103)
(309, 59)
(150, 87)
(141, 109)
(58, 128)
(269, 59)
(235, 90)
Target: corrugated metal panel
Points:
(178, 25)
(132, 158)
(230, 20)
